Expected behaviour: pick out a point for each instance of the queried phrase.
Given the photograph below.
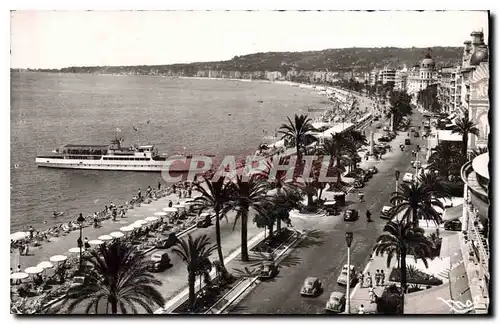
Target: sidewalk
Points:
(61, 244)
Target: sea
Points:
(177, 115)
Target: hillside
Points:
(360, 59)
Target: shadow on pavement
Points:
(313, 238)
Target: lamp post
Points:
(348, 240)
(396, 175)
(80, 221)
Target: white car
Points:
(385, 213)
(408, 177)
(342, 279)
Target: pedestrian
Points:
(159, 185)
(371, 294)
(189, 192)
(377, 277)
(32, 231)
(87, 244)
(148, 192)
(11, 272)
(139, 194)
(361, 280)
(368, 216)
(382, 277)
(170, 203)
(361, 309)
(368, 280)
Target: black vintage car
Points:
(351, 215)
(453, 225)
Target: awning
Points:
(453, 213)
(428, 301)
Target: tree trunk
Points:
(415, 217)
(270, 228)
(278, 226)
(114, 305)
(339, 178)
(403, 278)
(310, 199)
(218, 240)
(191, 283)
(465, 139)
(244, 243)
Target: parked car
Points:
(384, 139)
(77, 281)
(204, 220)
(336, 302)
(342, 278)
(373, 170)
(311, 287)
(268, 270)
(358, 183)
(407, 141)
(351, 215)
(453, 225)
(408, 177)
(385, 213)
(167, 242)
(159, 261)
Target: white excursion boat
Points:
(113, 157)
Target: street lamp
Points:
(348, 240)
(80, 221)
(396, 174)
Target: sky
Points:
(56, 39)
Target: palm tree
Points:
(401, 240)
(297, 132)
(337, 149)
(417, 200)
(194, 254)
(464, 127)
(445, 159)
(119, 278)
(247, 195)
(215, 196)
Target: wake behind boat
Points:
(113, 157)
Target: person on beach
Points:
(159, 185)
(148, 192)
(87, 244)
(32, 231)
(139, 194)
(368, 280)
(170, 204)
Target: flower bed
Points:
(270, 244)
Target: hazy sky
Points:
(55, 39)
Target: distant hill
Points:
(360, 59)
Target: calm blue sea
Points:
(177, 115)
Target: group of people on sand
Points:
(111, 211)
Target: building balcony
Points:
(475, 176)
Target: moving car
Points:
(159, 261)
(385, 213)
(342, 278)
(384, 139)
(408, 177)
(268, 270)
(311, 287)
(373, 170)
(453, 225)
(407, 141)
(204, 220)
(167, 242)
(351, 215)
(336, 303)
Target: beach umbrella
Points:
(19, 275)
(58, 258)
(76, 250)
(33, 270)
(136, 225)
(178, 206)
(117, 234)
(19, 236)
(153, 218)
(170, 209)
(141, 222)
(45, 265)
(96, 242)
(105, 238)
(162, 213)
(126, 229)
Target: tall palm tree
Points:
(336, 148)
(402, 239)
(417, 200)
(445, 159)
(297, 132)
(464, 127)
(216, 196)
(194, 254)
(119, 278)
(247, 195)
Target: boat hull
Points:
(145, 166)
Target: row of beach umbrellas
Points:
(42, 266)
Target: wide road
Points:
(324, 253)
